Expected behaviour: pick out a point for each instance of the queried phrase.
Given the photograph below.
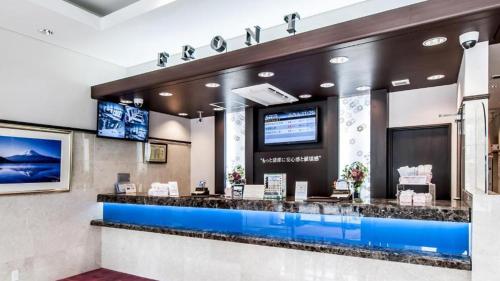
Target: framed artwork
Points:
(34, 159)
(155, 152)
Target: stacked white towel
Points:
(409, 197)
(406, 197)
(409, 175)
(422, 199)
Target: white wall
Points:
(48, 236)
(45, 84)
(169, 257)
(475, 70)
(423, 107)
(169, 127)
(474, 80)
(486, 207)
(203, 152)
(485, 242)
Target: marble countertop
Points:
(453, 211)
(406, 256)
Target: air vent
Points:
(265, 94)
(229, 106)
(403, 82)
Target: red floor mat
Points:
(105, 275)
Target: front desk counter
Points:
(435, 235)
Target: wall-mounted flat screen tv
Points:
(122, 122)
(291, 127)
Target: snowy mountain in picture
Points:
(29, 160)
(31, 156)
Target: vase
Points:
(356, 192)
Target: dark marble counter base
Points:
(363, 252)
(381, 208)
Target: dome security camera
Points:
(138, 102)
(469, 39)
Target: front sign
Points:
(219, 45)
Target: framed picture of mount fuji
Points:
(34, 159)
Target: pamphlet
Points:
(238, 191)
(275, 186)
(122, 180)
(159, 189)
(253, 191)
(173, 189)
(130, 188)
(300, 190)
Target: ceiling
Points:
(101, 8)
(374, 61)
(139, 29)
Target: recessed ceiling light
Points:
(266, 74)
(363, 88)
(125, 101)
(212, 85)
(305, 96)
(327, 85)
(339, 60)
(183, 114)
(434, 41)
(218, 108)
(165, 94)
(435, 77)
(402, 82)
(46, 31)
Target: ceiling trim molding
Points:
(134, 10)
(101, 23)
(70, 11)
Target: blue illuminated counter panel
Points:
(437, 235)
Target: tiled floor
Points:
(105, 275)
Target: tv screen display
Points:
(122, 121)
(291, 127)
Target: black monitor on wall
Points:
(122, 122)
(291, 127)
